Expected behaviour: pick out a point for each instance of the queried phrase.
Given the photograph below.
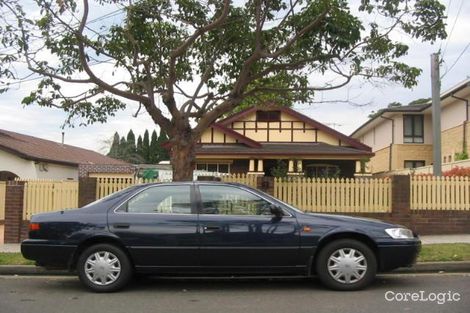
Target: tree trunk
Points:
(183, 157)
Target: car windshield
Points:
(112, 196)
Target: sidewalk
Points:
(426, 240)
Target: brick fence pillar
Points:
(401, 195)
(13, 211)
(401, 200)
(265, 184)
(86, 190)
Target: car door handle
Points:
(121, 225)
(210, 228)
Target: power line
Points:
(97, 19)
(452, 29)
(26, 79)
(447, 14)
(458, 58)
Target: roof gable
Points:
(301, 117)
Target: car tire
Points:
(104, 268)
(346, 265)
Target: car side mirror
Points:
(276, 211)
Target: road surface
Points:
(47, 294)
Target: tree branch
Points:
(91, 74)
(168, 97)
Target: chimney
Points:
(63, 137)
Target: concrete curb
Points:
(430, 267)
(30, 270)
(424, 267)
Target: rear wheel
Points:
(104, 268)
(346, 264)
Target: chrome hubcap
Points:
(102, 268)
(347, 265)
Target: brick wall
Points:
(452, 142)
(13, 212)
(404, 152)
(86, 190)
(380, 161)
(85, 169)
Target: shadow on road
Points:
(158, 284)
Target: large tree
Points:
(188, 62)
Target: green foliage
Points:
(394, 104)
(114, 149)
(126, 149)
(162, 153)
(146, 146)
(280, 170)
(363, 163)
(236, 53)
(419, 101)
(143, 42)
(154, 148)
(140, 147)
(461, 156)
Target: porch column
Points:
(291, 166)
(252, 166)
(299, 166)
(260, 166)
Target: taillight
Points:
(34, 226)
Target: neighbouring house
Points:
(260, 139)
(402, 137)
(29, 157)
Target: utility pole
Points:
(436, 114)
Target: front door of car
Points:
(239, 232)
(158, 225)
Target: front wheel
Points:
(104, 268)
(346, 264)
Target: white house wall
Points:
(27, 169)
(20, 167)
(56, 171)
(453, 114)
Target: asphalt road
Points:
(65, 295)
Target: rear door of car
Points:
(239, 233)
(159, 226)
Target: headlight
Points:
(399, 233)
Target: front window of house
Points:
(414, 163)
(268, 116)
(413, 129)
(214, 167)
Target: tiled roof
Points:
(37, 149)
(290, 148)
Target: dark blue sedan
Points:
(213, 229)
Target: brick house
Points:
(29, 157)
(256, 139)
(401, 137)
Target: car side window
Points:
(160, 199)
(228, 200)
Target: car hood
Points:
(350, 220)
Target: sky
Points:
(343, 116)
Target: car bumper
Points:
(398, 253)
(47, 253)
